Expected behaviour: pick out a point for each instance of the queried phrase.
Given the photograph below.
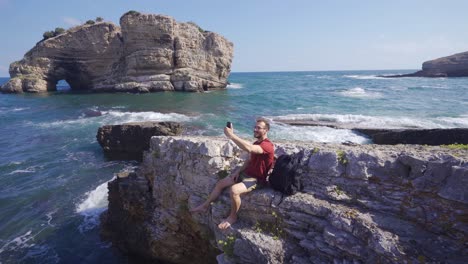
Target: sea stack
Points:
(147, 53)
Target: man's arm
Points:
(243, 144)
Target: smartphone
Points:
(229, 124)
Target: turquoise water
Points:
(53, 173)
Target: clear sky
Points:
(271, 35)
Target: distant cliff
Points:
(146, 53)
(359, 204)
(451, 66)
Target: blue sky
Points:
(294, 35)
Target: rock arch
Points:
(147, 53)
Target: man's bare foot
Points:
(200, 209)
(227, 223)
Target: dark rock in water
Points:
(432, 137)
(92, 113)
(451, 66)
(128, 141)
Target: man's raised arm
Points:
(243, 144)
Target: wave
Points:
(365, 77)
(115, 117)
(359, 92)
(317, 134)
(235, 86)
(384, 122)
(22, 241)
(92, 206)
(31, 169)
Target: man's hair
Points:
(265, 121)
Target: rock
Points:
(451, 66)
(403, 204)
(433, 137)
(92, 113)
(128, 141)
(148, 53)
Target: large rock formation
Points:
(128, 141)
(147, 53)
(359, 204)
(451, 66)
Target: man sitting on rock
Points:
(252, 173)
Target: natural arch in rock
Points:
(148, 53)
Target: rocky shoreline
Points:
(359, 204)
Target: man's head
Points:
(262, 126)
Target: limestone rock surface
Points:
(147, 53)
(128, 141)
(359, 204)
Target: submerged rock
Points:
(129, 140)
(147, 53)
(359, 204)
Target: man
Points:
(252, 173)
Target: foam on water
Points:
(317, 134)
(92, 206)
(235, 86)
(31, 169)
(22, 241)
(380, 121)
(114, 118)
(365, 77)
(359, 92)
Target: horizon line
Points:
(266, 71)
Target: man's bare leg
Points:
(220, 185)
(236, 191)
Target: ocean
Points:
(54, 175)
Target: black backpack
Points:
(284, 177)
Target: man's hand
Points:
(229, 132)
(235, 175)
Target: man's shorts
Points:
(249, 182)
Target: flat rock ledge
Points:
(146, 53)
(128, 141)
(432, 137)
(359, 204)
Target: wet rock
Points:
(128, 141)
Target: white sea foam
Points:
(364, 77)
(398, 122)
(27, 170)
(92, 206)
(5, 110)
(461, 121)
(359, 92)
(116, 117)
(317, 134)
(235, 86)
(23, 241)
